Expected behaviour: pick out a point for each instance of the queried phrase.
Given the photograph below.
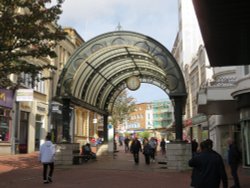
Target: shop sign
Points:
(6, 98)
(199, 119)
(24, 95)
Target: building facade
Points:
(163, 118)
(217, 105)
(189, 51)
(137, 118)
(63, 50)
(25, 123)
(162, 114)
(155, 117)
(225, 100)
(191, 54)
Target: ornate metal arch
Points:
(97, 72)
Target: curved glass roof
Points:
(97, 72)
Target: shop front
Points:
(245, 124)
(22, 135)
(243, 105)
(6, 101)
(195, 128)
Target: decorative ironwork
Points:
(97, 72)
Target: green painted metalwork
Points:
(97, 72)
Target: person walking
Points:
(146, 151)
(163, 146)
(194, 146)
(126, 143)
(209, 169)
(234, 158)
(135, 148)
(153, 144)
(47, 157)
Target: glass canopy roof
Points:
(97, 72)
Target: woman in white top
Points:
(47, 158)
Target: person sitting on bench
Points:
(86, 150)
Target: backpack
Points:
(152, 143)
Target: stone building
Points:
(32, 116)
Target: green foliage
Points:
(28, 29)
(123, 106)
(144, 134)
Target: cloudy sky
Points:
(157, 19)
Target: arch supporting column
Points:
(105, 128)
(179, 152)
(178, 110)
(66, 119)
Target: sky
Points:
(157, 19)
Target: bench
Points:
(164, 163)
(78, 158)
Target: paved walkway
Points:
(24, 170)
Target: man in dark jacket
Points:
(126, 143)
(135, 148)
(209, 168)
(234, 158)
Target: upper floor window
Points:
(26, 80)
(37, 85)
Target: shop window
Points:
(4, 125)
(38, 130)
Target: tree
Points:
(123, 106)
(144, 134)
(28, 29)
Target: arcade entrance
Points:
(106, 65)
